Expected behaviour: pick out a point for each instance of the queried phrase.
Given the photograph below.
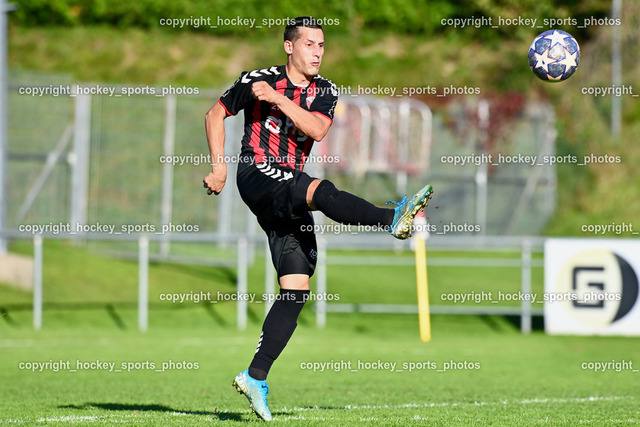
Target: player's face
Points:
(306, 51)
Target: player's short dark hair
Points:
(291, 32)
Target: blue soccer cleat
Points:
(256, 391)
(402, 224)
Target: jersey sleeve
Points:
(325, 102)
(237, 96)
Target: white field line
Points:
(221, 414)
(476, 403)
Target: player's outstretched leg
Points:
(256, 391)
(407, 209)
(346, 208)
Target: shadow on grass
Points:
(537, 322)
(4, 315)
(223, 274)
(132, 407)
(112, 310)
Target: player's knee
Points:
(324, 193)
(311, 191)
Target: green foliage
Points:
(419, 17)
(42, 12)
(147, 13)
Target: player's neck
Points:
(296, 77)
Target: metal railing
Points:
(245, 244)
(525, 245)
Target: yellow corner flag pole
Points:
(423, 288)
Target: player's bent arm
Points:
(214, 126)
(313, 125)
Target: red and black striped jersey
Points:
(268, 133)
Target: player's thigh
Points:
(294, 281)
(293, 246)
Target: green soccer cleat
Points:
(255, 391)
(406, 210)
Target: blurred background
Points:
(103, 205)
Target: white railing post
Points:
(143, 283)
(80, 161)
(5, 8)
(321, 284)
(525, 318)
(166, 207)
(242, 282)
(37, 282)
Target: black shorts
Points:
(277, 197)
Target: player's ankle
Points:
(257, 374)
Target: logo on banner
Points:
(602, 286)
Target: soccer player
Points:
(287, 108)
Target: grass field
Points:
(513, 380)
(369, 369)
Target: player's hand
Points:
(263, 92)
(214, 182)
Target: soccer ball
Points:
(554, 56)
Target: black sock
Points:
(346, 208)
(278, 327)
